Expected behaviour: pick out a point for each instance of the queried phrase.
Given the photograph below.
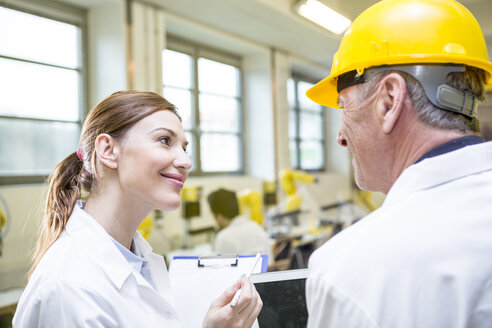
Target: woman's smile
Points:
(174, 178)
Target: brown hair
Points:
(224, 202)
(115, 115)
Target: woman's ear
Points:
(393, 92)
(107, 150)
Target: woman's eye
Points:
(165, 140)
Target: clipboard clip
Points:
(225, 260)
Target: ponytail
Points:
(63, 193)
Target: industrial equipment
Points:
(250, 201)
(190, 204)
(365, 197)
(269, 193)
(190, 197)
(288, 180)
(5, 221)
(145, 228)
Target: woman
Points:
(91, 268)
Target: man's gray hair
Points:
(472, 81)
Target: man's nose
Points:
(341, 140)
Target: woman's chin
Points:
(169, 205)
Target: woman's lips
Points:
(175, 179)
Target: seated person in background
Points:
(238, 234)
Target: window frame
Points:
(64, 13)
(296, 108)
(196, 51)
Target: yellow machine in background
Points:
(190, 205)
(269, 193)
(251, 200)
(365, 197)
(288, 178)
(145, 228)
(5, 221)
(190, 201)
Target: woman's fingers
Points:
(256, 310)
(249, 298)
(243, 314)
(244, 297)
(227, 296)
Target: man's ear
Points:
(393, 94)
(107, 150)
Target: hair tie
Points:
(79, 153)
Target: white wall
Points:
(259, 116)
(281, 73)
(107, 50)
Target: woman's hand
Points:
(242, 315)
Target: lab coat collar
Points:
(430, 173)
(90, 234)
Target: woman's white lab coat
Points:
(84, 281)
(424, 259)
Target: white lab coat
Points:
(424, 259)
(244, 237)
(84, 281)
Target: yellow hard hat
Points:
(399, 32)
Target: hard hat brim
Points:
(325, 92)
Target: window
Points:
(306, 128)
(207, 92)
(41, 93)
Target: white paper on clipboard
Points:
(195, 287)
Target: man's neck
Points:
(418, 140)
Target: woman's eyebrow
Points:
(186, 143)
(166, 129)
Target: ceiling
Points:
(273, 23)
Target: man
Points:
(408, 76)
(238, 235)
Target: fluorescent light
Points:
(323, 15)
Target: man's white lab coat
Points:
(84, 281)
(424, 259)
(244, 237)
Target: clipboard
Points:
(197, 281)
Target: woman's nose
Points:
(182, 160)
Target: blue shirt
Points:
(137, 262)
